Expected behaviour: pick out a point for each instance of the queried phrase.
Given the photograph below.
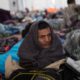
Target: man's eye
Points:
(42, 36)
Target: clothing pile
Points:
(6, 44)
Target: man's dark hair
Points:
(42, 25)
(70, 1)
(26, 30)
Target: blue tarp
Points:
(13, 52)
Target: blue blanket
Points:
(13, 52)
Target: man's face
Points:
(44, 37)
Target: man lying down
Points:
(41, 48)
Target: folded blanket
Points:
(74, 64)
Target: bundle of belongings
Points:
(70, 70)
(15, 72)
(7, 44)
(74, 64)
(72, 44)
(4, 15)
(72, 48)
(8, 30)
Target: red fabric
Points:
(7, 48)
(0, 77)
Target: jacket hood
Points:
(31, 50)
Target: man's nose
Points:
(46, 38)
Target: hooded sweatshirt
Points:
(31, 53)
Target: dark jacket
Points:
(31, 53)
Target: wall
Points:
(33, 4)
(4, 4)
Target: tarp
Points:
(13, 52)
